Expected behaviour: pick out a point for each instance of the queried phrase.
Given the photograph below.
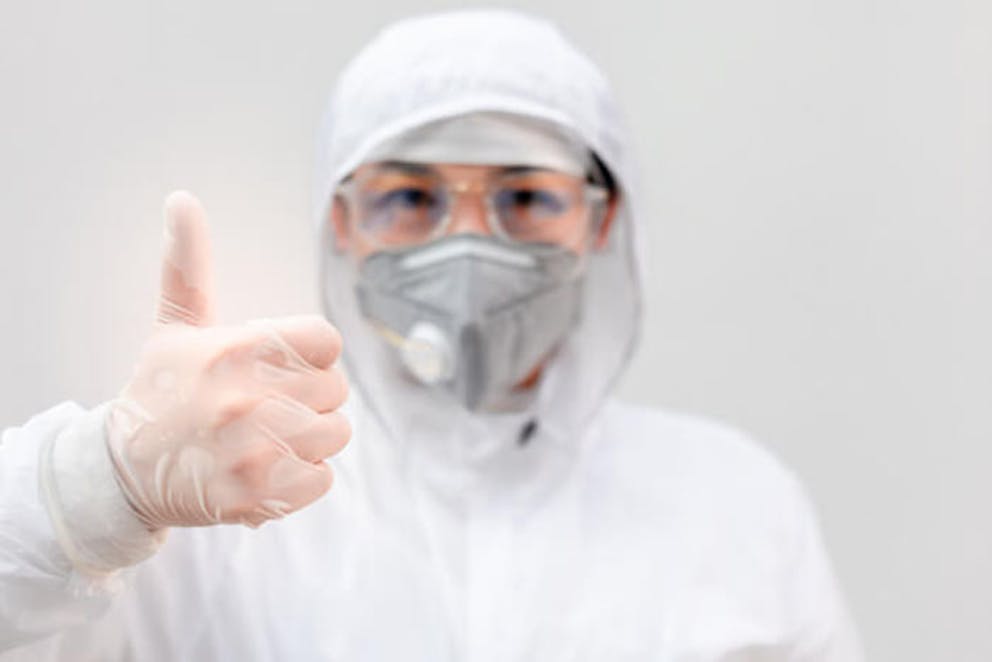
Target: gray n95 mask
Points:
(472, 314)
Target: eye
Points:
(403, 199)
(531, 201)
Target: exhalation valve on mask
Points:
(472, 315)
(427, 354)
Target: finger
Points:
(292, 483)
(279, 366)
(293, 427)
(187, 276)
(309, 340)
(327, 436)
(320, 390)
(298, 483)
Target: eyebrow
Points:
(406, 167)
(410, 168)
(521, 170)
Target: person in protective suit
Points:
(478, 230)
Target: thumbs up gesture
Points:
(224, 424)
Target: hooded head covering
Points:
(422, 70)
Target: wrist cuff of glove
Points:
(93, 522)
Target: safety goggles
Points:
(396, 205)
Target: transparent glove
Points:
(224, 424)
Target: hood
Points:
(439, 66)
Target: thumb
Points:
(187, 273)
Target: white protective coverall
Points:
(613, 533)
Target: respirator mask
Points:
(470, 314)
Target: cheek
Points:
(346, 239)
(337, 222)
(360, 248)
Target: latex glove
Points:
(224, 424)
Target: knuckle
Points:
(232, 408)
(229, 350)
(250, 467)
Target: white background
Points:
(818, 177)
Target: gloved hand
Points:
(224, 424)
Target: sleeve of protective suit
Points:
(65, 526)
(824, 629)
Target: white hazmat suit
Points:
(603, 532)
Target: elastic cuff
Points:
(93, 522)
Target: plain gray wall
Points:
(818, 178)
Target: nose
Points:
(468, 213)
